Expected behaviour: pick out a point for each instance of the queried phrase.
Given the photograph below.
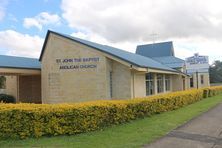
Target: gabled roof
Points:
(171, 61)
(156, 49)
(129, 57)
(19, 62)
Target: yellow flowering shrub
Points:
(211, 91)
(35, 120)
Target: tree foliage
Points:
(216, 72)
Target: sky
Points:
(194, 26)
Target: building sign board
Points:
(197, 63)
(196, 59)
(77, 63)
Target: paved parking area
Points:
(204, 131)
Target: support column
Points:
(164, 85)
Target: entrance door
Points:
(30, 89)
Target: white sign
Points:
(197, 63)
(196, 59)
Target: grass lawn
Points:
(133, 134)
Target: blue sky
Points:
(193, 26)
(17, 10)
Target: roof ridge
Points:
(156, 43)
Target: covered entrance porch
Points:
(23, 84)
(21, 78)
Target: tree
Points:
(216, 72)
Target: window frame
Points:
(191, 82)
(149, 80)
(111, 83)
(160, 83)
(201, 79)
(167, 83)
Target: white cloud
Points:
(187, 47)
(132, 20)
(129, 46)
(41, 19)
(126, 23)
(20, 44)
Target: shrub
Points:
(35, 120)
(7, 98)
(211, 91)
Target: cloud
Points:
(187, 47)
(129, 46)
(132, 20)
(184, 47)
(20, 44)
(188, 23)
(41, 19)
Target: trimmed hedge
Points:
(35, 120)
(212, 91)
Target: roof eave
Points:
(27, 68)
(44, 45)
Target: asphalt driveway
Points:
(204, 131)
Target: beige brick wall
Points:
(78, 85)
(177, 83)
(206, 80)
(72, 85)
(121, 81)
(139, 81)
(30, 89)
(11, 85)
(187, 82)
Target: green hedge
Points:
(35, 120)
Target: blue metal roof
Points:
(19, 62)
(170, 61)
(156, 49)
(129, 57)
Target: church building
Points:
(71, 69)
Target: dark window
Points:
(191, 82)
(149, 84)
(202, 79)
(167, 83)
(111, 84)
(159, 83)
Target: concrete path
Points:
(204, 131)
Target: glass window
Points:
(159, 83)
(149, 84)
(111, 84)
(167, 82)
(202, 79)
(2, 82)
(191, 82)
